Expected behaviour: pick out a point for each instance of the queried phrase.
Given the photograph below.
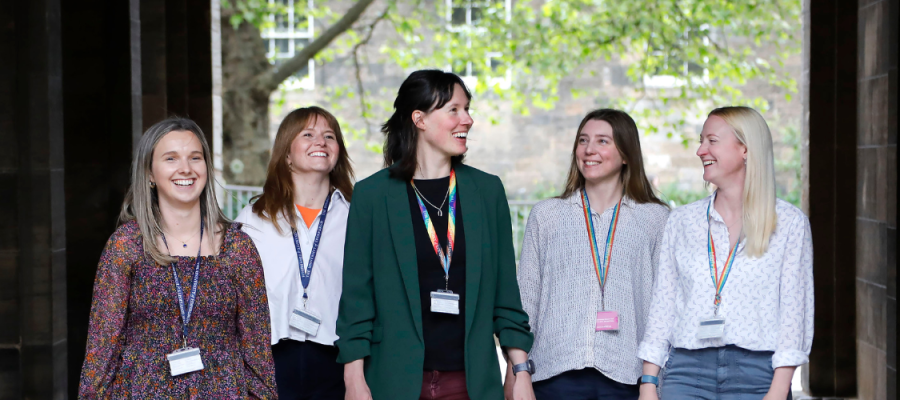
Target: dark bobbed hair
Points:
(424, 90)
(278, 191)
(628, 142)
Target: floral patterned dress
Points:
(135, 323)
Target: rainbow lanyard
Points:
(451, 229)
(718, 280)
(601, 268)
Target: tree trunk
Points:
(246, 146)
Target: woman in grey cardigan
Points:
(588, 263)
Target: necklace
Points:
(184, 242)
(440, 214)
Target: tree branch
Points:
(359, 83)
(275, 75)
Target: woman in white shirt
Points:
(733, 297)
(298, 225)
(587, 266)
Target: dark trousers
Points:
(444, 385)
(307, 370)
(584, 384)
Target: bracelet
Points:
(650, 379)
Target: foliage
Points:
(704, 49)
(790, 167)
(675, 196)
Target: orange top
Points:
(309, 214)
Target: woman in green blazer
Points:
(429, 265)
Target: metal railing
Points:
(235, 198)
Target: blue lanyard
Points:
(186, 313)
(306, 273)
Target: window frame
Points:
(272, 34)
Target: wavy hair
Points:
(628, 142)
(759, 218)
(424, 90)
(278, 191)
(142, 202)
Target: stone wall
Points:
(531, 153)
(876, 199)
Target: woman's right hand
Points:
(355, 382)
(648, 392)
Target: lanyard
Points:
(451, 229)
(599, 266)
(186, 312)
(306, 273)
(718, 280)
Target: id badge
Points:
(607, 321)
(445, 302)
(711, 328)
(305, 321)
(185, 360)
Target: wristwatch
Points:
(527, 366)
(650, 379)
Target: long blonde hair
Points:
(759, 217)
(142, 202)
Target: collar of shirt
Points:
(575, 199)
(336, 196)
(717, 219)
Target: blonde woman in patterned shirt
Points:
(587, 266)
(732, 313)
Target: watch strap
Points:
(525, 366)
(650, 379)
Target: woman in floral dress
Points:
(179, 307)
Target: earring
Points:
(152, 185)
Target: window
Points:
(685, 69)
(464, 16)
(292, 29)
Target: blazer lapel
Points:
(405, 246)
(473, 208)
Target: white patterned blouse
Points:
(767, 302)
(561, 293)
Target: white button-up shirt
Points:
(282, 271)
(767, 302)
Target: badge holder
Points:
(445, 302)
(184, 360)
(712, 328)
(305, 320)
(607, 321)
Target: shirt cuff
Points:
(789, 358)
(654, 353)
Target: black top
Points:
(444, 333)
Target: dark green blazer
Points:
(380, 316)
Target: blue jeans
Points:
(584, 384)
(717, 373)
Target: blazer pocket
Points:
(377, 334)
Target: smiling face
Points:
(721, 152)
(596, 154)
(178, 169)
(315, 149)
(445, 129)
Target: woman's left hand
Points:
(522, 389)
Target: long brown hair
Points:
(627, 139)
(278, 192)
(142, 201)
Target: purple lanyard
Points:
(306, 273)
(186, 312)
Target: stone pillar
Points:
(831, 132)
(876, 199)
(33, 341)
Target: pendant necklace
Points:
(184, 242)
(440, 214)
